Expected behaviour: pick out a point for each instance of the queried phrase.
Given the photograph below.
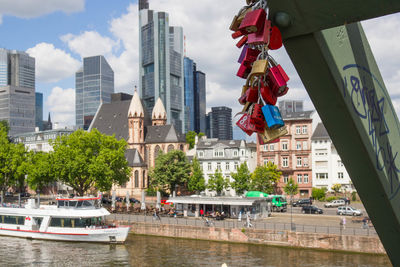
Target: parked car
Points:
(8, 194)
(24, 194)
(106, 200)
(311, 210)
(132, 200)
(164, 201)
(346, 200)
(335, 203)
(347, 210)
(302, 202)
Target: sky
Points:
(60, 33)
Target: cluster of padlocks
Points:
(265, 79)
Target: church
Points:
(146, 136)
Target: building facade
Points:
(161, 64)
(94, 84)
(219, 122)
(292, 153)
(225, 156)
(39, 111)
(126, 118)
(17, 90)
(327, 166)
(195, 97)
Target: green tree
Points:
(241, 179)
(217, 182)
(86, 160)
(318, 193)
(336, 188)
(265, 178)
(291, 188)
(196, 182)
(171, 169)
(4, 124)
(40, 170)
(12, 158)
(191, 137)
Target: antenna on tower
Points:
(184, 45)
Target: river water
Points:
(159, 251)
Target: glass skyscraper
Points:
(219, 122)
(161, 64)
(94, 84)
(17, 90)
(200, 101)
(39, 110)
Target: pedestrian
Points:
(201, 212)
(343, 223)
(240, 216)
(365, 224)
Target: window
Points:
(305, 162)
(201, 154)
(285, 162)
(209, 166)
(305, 178)
(271, 160)
(298, 130)
(136, 179)
(265, 147)
(298, 145)
(299, 179)
(219, 166)
(339, 163)
(340, 175)
(305, 145)
(265, 161)
(235, 153)
(298, 161)
(272, 147)
(236, 165)
(304, 130)
(219, 153)
(284, 146)
(322, 175)
(242, 152)
(227, 166)
(285, 179)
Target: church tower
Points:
(159, 115)
(136, 124)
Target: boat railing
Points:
(10, 205)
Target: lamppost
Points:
(292, 226)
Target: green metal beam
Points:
(308, 16)
(340, 74)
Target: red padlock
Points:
(257, 116)
(250, 56)
(255, 127)
(275, 39)
(243, 71)
(237, 34)
(242, 41)
(261, 37)
(253, 21)
(267, 95)
(242, 100)
(252, 95)
(277, 78)
(243, 123)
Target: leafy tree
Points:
(336, 188)
(191, 136)
(241, 179)
(86, 160)
(170, 169)
(12, 158)
(4, 124)
(318, 193)
(40, 170)
(265, 177)
(217, 182)
(291, 188)
(196, 181)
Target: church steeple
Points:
(159, 115)
(136, 107)
(136, 124)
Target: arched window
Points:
(136, 179)
(170, 148)
(144, 179)
(156, 151)
(181, 147)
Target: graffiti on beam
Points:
(358, 86)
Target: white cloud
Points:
(52, 64)
(89, 43)
(61, 104)
(36, 8)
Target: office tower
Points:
(220, 123)
(39, 111)
(290, 106)
(161, 64)
(189, 71)
(17, 90)
(200, 101)
(94, 83)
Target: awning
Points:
(212, 201)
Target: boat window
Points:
(76, 222)
(87, 203)
(13, 219)
(61, 203)
(79, 204)
(38, 220)
(72, 203)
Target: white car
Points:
(347, 210)
(335, 203)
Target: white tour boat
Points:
(72, 219)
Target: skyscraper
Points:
(200, 101)
(94, 83)
(17, 90)
(39, 110)
(161, 64)
(219, 122)
(290, 106)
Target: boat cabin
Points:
(78, 203)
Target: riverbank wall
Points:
(348, 243)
